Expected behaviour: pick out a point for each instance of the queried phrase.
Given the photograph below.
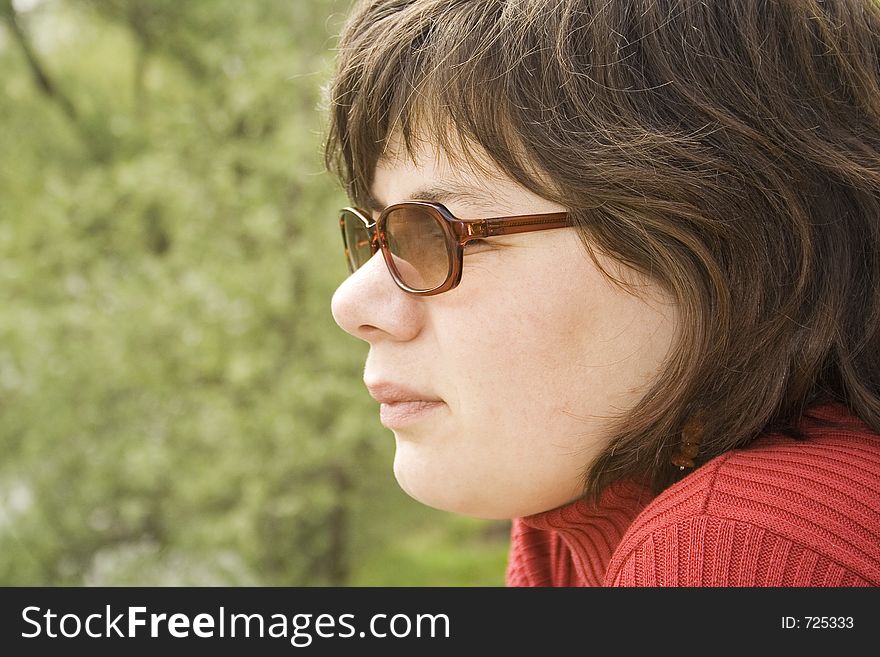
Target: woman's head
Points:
(522, 361)
(721, 165)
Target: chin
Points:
(470, 491)
(467, 498)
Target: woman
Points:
(618, 265)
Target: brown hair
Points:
(729, 150)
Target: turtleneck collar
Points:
(575, 541)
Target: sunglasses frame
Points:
(457, 232)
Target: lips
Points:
(401, 405)
(392, 393)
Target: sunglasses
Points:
(423, 243)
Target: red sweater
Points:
(781, 512)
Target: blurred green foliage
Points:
(176, 404)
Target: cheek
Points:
(565, 360)
(526, 361)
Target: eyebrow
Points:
(439, 194)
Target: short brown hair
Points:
(729, 150)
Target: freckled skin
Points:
(529, 353)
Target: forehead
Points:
(425, 170)
(472, 185)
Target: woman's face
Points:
(498, 391)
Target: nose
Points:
(370, 306)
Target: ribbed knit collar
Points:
(589, 533)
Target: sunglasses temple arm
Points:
(512, 225)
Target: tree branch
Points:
(40, 74)
(138, 21)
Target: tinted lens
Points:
(417, 243)
(357, 240)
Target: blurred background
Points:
(177, 406)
